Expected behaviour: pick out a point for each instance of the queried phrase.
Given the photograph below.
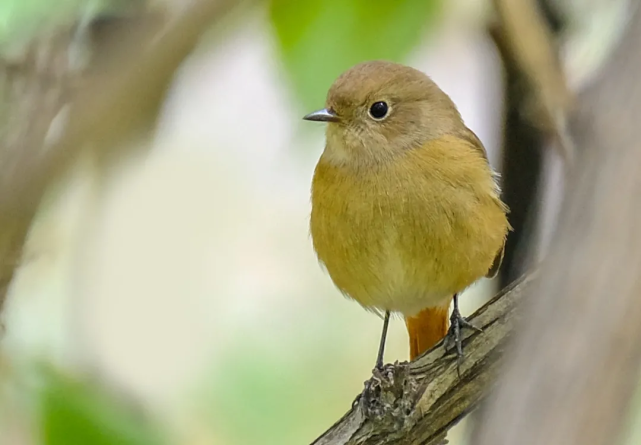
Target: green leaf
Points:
(78, 413)
(320, 39)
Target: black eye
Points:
(378, 110)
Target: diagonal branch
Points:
(34, 89)
(124, 98)
(417, 403)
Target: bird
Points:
(405, 208)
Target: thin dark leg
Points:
(381, 347)
(457, 324)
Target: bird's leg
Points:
(381, 347)
(453, 337)
(374, 382)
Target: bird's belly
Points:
(399, 288)
(385, 269)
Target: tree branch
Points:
(575, 362)
(417, 403)
(525, 40)
(34, 88)
(121, 99)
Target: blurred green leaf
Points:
(77, 413)
(320, 39)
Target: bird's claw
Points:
(453, 337)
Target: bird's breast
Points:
(406, 235)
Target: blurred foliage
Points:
(259, 393)
(285, 400)
(79, 413)
(319, 40)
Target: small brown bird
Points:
(405, 210)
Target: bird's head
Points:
(378, 109)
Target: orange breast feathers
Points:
(407, 234)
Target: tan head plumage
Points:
(380, 108)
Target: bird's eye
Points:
(378, 110)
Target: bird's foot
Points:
(389, 396)
(373, 385)
(453, 337)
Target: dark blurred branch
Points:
(526, 127)
(524, 37)
(575, 362)
(521, 169)
(418, 403)
(118, 101)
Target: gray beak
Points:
(324, 115)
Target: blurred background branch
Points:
(574, 364)
(525, 33)
(526, 41)
(105, 109)
(34, 88)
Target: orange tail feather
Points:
(426, 329)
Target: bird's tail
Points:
(426, 329)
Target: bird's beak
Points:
(324, 115)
